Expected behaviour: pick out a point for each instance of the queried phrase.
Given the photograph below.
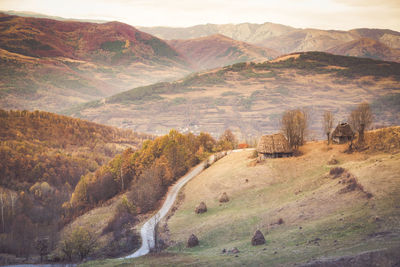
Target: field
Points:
(319, 218)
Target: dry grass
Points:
(318, 219)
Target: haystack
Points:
(258, 238)
(342, 133)
(201, 208)
(223, 198)
(192, 241)
(274, 146)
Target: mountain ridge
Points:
(219, 50)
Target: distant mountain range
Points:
(285, 39)
(53, 65)
(218, 50)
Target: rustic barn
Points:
(274, 146)
(343, 133)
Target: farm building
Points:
(274, 146)
(343, 133)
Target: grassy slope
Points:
(297, 190)
(248, 98)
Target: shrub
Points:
(336, 172)
(118, 223)
(80, 242)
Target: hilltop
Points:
(249, 98)
(51, 64)
(366, 47)
(306, 214)
(218, 51)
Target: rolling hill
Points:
(308, 215)
(52, 64)
(366, 47)
(218, 51)
(249, 98)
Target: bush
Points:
(117, 224)
(336, 172)
(80, 243)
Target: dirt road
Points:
(147, 230)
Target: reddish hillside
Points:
(218, 50)
(52, 64)
(366, 47)
(111, 42)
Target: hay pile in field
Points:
(223, 198)
(258, 238)
(201, 208)
(192, 241)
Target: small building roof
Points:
(275, 143)
(342, 130)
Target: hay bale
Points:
(192, 241)
(223, 198)
(258, 238)
(332, 160)
(201, 208)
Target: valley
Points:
(199, 144)
(249, 98)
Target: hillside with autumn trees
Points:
(42, 158)
(56, 169)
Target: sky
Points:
(322, 14)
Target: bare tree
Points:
(2, 204)
(328, 124)
(294, 125)
(14, 198)
(360, 119)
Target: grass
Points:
(318, 221)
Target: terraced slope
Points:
(249, 98)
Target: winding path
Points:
(147, 230)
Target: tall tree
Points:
(2, 204)
(294, 126)
(328, 124)
(360, 119)
(227, 140)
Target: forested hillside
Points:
(42, 157)
(53, 169)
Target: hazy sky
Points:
(324, 14)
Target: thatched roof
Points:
(343, 129)
(276, 143)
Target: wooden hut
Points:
(274, 146)
(343, 133)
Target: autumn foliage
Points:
(146, 172)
